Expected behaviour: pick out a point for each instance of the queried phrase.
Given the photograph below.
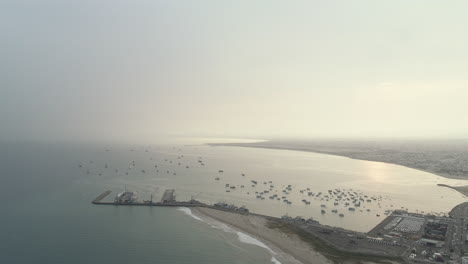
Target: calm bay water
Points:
(47, 216)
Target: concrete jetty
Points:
(386, 240)
(168, 196)
(100, 197)
(169, 199)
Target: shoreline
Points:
(461, 189)
(284, 238)
(251, 145)
(296, 250)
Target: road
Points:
(459, 232)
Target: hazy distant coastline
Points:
(446, 158)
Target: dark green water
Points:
(47, 217)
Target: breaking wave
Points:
(187, 211)
(243, 237)
(275, 260)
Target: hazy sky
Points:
(128, 70)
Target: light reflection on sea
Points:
(392, 186)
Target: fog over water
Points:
(136, 70)
(98, 95)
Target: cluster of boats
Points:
(351, 200)
(337, 199)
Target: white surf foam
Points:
(187, 211)
(243, 237)
(275, 260)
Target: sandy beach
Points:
(289, 247)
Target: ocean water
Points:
(47, 189)
(47, 217)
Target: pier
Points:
(397, 237)
(100, 197)
(167, 200)
(168, 196)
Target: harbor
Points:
(358, 205)
(335, 217)
(400, 236)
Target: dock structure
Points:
(169, 196)
(168, 200)
(381, 242)
(100, 197)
